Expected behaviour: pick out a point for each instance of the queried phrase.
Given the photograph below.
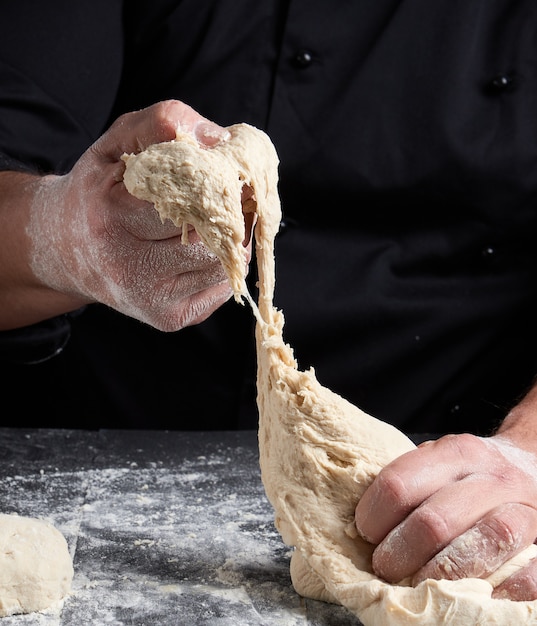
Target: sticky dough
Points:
(318, 452)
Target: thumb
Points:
(209, 134)
(135, 131)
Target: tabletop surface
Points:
(164, 528)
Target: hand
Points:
(453, 508)
(92, 240)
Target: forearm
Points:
(24, 299)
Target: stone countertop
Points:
(165, 527)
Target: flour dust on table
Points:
(165, 528)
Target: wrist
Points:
(25, 298)
(520, 425)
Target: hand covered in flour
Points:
(457, 507)
(89, 240)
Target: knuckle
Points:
(168, 113)
(510, 526)
(448, 565)
(432, 526)
(391, 485)
(465, 446)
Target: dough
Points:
(318, 452)
(202, 187)
(36, 570)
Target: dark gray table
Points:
(164, 528)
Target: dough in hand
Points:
(318, 452)
(190, 184)
(36, 569)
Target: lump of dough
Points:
(192, 184)
(36, 569)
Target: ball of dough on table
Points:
(36, 568)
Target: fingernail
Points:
(210, 134)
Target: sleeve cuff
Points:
(36, 343)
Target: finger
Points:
(428, 529)
(135, 131)
(203, 304)
(170, 315)
(140, 218)
(521, 586)
(141, 221)
(192, 258)
(187, 267)
(194, 282)
(208, 134)
(407, 482)
(485, 547)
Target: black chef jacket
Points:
(406, 262)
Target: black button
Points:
(303, 58)
(501, 83)
(286, 223)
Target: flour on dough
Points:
(36, 570)
(318, 452)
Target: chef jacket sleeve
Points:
(36, 343)
(60, 68)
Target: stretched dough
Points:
(36, 570)
(318, 452)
